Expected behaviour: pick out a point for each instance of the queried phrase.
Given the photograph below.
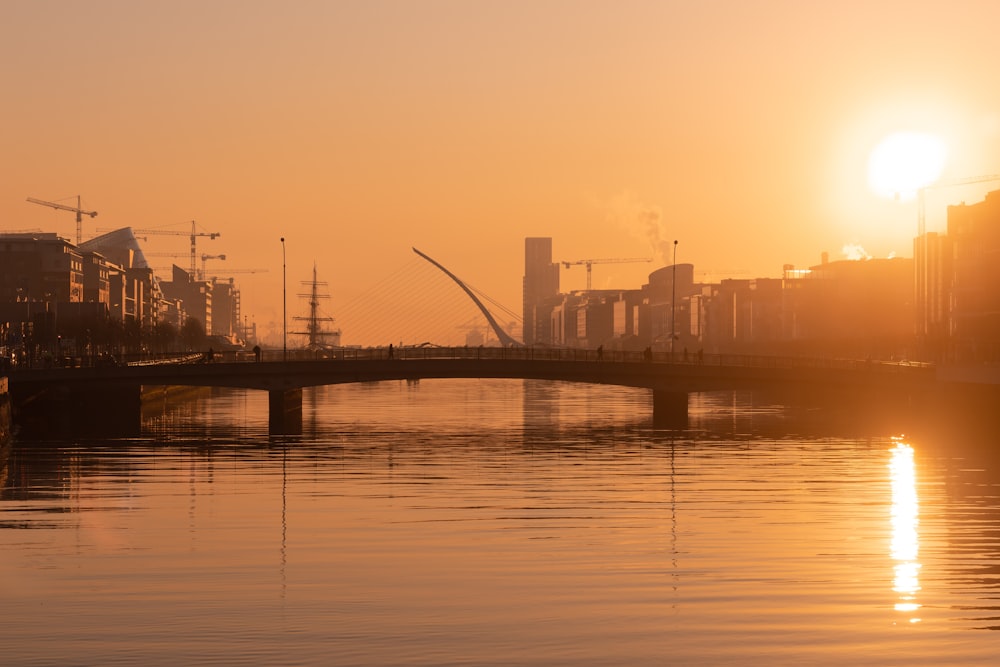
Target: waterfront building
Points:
(740, 315)
(932, 255)
(133, 293)
(857, 308)
(666, 309)
(595, 318)
(626, 320)
(853, 308)
(96, 272)
(195, 294)
(225, 310)
(563, 328)
(59, 299)
(40, 267)
(39, 272)
(973, 297)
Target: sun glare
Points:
(904, 162)
(905, 544)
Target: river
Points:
(500, 522)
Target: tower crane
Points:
(921, 206)
(205, 258)
(228, 273)
(232, 272)
(589, 263)
(75, 209)
(193, 235)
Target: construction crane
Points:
(194, 236)
(75, 209)
(229, 273)
(233, 272)
(589, 263)
(222, 274)
(921, 206)
(205, 258)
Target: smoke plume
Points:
(855, 251)
(643, 221)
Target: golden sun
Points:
(904, 162)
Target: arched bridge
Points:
(116, 391)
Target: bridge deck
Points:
(107, 390)
(635, 369)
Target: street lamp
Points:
(673, 303)
(284, 304)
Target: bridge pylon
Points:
(505, 339)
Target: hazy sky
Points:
(358, 129)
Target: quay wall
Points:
(70, 412)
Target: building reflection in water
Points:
(905, 537)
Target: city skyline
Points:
(743, 130)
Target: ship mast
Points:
(315, 332)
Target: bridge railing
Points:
(589, 355)
(497, 353)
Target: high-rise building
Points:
(540, 284)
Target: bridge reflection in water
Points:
(110, 397)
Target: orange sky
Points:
(359, 129)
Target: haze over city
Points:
(736, 403)
(747, 131)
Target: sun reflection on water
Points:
(905, 539)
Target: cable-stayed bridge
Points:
(422, 303)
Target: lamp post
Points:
(673, 303)
(284, 304)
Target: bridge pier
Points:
(284, 411)
(670, 409)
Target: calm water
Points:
(499, 523)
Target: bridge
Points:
(113, 395)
